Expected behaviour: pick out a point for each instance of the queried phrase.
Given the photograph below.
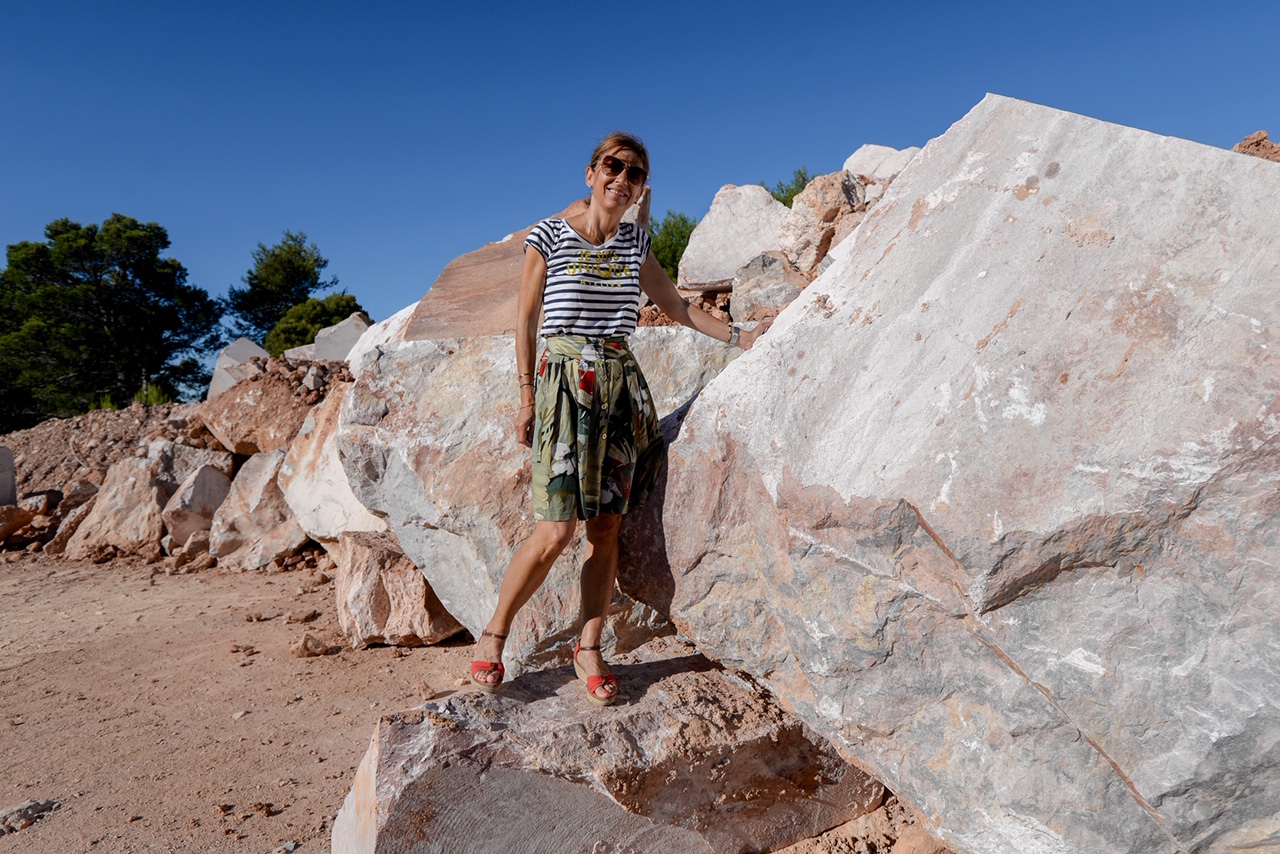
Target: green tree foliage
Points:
(94, 313)
(301, 323)
(281, 277)
(786, 193)
(670, 235)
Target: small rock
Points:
(302, 618)
(238, 715)
(24, 815)
(311, 646)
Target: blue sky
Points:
(400, 135)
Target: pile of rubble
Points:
(247, 480)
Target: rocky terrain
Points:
(960, 557)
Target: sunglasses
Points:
(612, 167)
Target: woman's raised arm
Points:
(658, 286)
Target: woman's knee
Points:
(604, 528)
(554, 537)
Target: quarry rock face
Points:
(433, 451)
(742, 223)
(313, 481)
(692, 760)
(254, 525)
(993, 506)
(382, 597)
(125, 513)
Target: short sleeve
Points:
(542, 238)
(643, 241)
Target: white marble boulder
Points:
(993, 505)
(427, 440)
(693, 759)
(382, 597)
(765, 286)
(193, 505)
(126, 513)
(176, 461)
(742, 223)
(313, 481)
(875, 167)
(335, 342)
(254, 526)
(365, 351)
(233, 365)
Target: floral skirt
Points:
(597, 447)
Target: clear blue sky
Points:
(400, 135)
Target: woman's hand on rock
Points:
(748, 336)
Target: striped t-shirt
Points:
(591, 290)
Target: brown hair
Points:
(621, 139)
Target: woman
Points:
(588, 416)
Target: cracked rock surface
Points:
(993, 506)
(690, 759)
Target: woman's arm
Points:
(533, 281)
(658, 286)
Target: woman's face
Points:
(619, 190)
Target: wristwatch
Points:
(734, 331)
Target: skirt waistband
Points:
(583, 348)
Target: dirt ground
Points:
(166, 713)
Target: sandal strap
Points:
(594, 682)
(582, 648)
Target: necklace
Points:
(590, 235)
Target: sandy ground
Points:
(163, 719)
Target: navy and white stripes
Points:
(591, 290)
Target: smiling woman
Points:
(588, 415)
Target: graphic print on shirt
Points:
(605, 264)
(590, 290)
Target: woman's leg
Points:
(599, 571)
(526, 572)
